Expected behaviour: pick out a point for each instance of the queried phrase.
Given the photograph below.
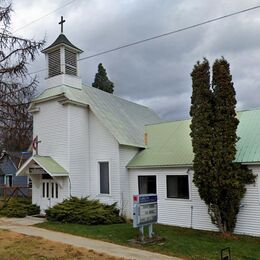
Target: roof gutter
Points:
(159, 166)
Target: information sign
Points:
(144, 210)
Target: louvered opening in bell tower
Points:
(70, 62)
(54, 63)
(62, 60)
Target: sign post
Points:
(145, 213)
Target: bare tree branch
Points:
(17, 88)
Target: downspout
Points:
(191, 216)
(88, 166)
(68, 154)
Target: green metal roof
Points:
(62, 39)
(169, 144)
(124, 119)
(45, 162)
(50, 165)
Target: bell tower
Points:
(62, 62)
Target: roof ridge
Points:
(118, 97)
(188, 119)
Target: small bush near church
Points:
(18, 208)
(84, 211)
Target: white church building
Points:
(99, 145)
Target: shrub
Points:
(19, 208)
(84, 211)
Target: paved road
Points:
(23, 226)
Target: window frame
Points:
(50, 189)
(150, 175)
(178, 198)
(6, 180)
(109, 178)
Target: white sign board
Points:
(144, 210)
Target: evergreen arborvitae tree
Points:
(232, 177)
(201, 129)
(101, 80)
(220, 181)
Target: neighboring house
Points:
(8, 168)
(92, 144)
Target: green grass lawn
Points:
(181, 242)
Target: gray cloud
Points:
(156, 73)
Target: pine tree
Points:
(220, 181)
(101, 80)
(16, 85)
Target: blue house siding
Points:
(8, 168)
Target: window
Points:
(147, 184)
(177, 186)
(56, 191)
(54, 63)
(29, 183)
(9, 180)
(47, 189)
(43, 189)
(50, 189)
(104, 177)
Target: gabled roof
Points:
(7, 166)
(47, 163)
(124, 119)
(61, 40)
(169, 144)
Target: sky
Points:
(156, 73)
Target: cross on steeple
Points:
(62, 21)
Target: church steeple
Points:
(62, 62)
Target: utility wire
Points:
(172, 32)
(164, 34)
(36, 20)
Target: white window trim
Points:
(189, 183)
(109, 178)
(5, 180)
(147, 175)
(49, 181)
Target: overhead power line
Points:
(41, 17)
(172, 32)
(164, 34)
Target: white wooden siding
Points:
(78, 150)
(248, 221)
(193, 212)
(51, 126)
(103, 147)
(126, 153)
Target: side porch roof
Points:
(47, 163)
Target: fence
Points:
(15, 191)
